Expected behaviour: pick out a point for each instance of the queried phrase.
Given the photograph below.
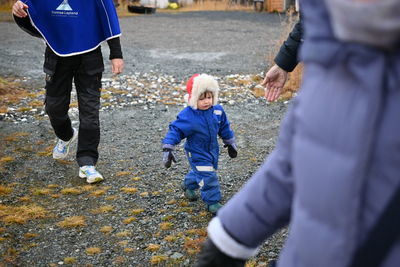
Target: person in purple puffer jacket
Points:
(336, 166)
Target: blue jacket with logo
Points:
(74, 27)
(201, 129)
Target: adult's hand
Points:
(19, 9)
(117, 65)
(274, 81)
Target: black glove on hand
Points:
(168, 157)
(211, 256)
(232, 150)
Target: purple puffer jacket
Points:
(337, 159)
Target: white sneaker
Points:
(89, 172)
(61, 149)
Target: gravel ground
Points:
(138, 215)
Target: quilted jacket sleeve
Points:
(263, 205)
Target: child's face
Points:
(205, 101)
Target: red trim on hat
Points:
(189, 85)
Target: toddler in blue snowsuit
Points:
(201, 122)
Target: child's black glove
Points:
(232, 150)
(168, 156)
(210, 255)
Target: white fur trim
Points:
(186, 97)
(201, 84)
(227, 244)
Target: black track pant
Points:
(85, 71)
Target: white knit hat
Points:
(199, 84)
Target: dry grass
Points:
(5, 190)
(72, 222)
(156, 193)
(122, 173)
(41, 191)
(98, 192)
(158, 259)
(251, 263)
(6, 159)
(69, 260)
(129, 250)
(24, 199)
(168, 217)
(171, 202)
(71, 191)
(129, 190)
(123, 243)
(119, 261)
(10, 257)
(129, 220)
(48, 151)
(106, 229)
(170, 238)
(10, 93)
(30, 235)
(137, 211)
(153, 247)
(5, 5)
(103, 209)
(93, 250)
(166, 226)
(112, 198)
(199, 232)
(123, 234)
(21, 214)
(144, 194)
(193, 246)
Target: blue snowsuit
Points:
(201, 129)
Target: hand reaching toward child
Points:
(274, 81)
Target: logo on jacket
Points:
(64, 10)
(64, 6)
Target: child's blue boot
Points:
(190, 194)
(213, 208)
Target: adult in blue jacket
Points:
(336, 165)
(201, 122)
(73, 31)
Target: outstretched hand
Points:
(19, 9)
(274, 81)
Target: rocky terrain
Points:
(138, 215)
